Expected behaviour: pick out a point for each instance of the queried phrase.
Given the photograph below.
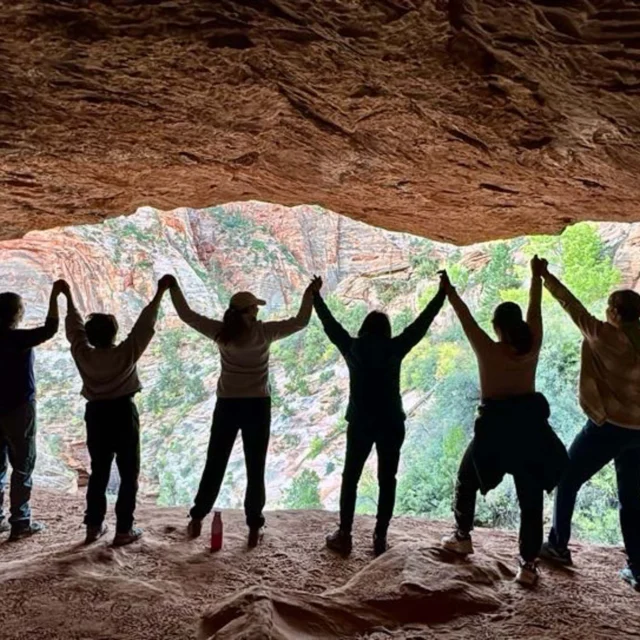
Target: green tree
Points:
(304, 491)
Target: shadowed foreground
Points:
(292, 588)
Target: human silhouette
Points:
(610, 397)
(18, 407)
(374, 414)
(512, 433)
(109, 383)
(243, 397)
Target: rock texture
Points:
(462, 120)
(292, 588)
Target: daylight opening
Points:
(273, 250)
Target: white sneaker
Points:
(527, 574)
(458, 543)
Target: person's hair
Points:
(376, 324)
(10, 306)
(627, 304)
(233, 326)
(514, 330)
(101, 329)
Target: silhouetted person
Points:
(18, 407)
(243, 397)
(512, 433)
(610, 396)
(109, 383)
(375, 414)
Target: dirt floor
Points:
(292, 588)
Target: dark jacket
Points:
(514, 436)
(17, 380)
(374, 363)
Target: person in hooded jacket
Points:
(374, 414)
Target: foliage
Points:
(304, 491)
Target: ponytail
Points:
(515, 331)
(233, 327)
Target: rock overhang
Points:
(460, 120)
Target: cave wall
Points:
(459, 120)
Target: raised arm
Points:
(588, 324)
(277, 329)
(206, 326)
(534, 312)
(144, 328)
(334, 330)
(412, 334)
(476, 336)
(74, 324)
(28, 338)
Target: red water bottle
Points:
(216, 531)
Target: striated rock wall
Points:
(461, 120)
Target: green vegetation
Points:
(304, 492)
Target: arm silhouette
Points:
(412, 334)
(206, 326)
(29, 338)
(534, 311)
(334, 330)
(278, 329)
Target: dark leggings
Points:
(530, 498)
(361, 437)
(252, 417)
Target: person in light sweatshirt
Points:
(243, 396)
(109, 383)
(610, 397)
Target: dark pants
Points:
(530, 498)
(113, 431)
(18, 446)
(361, 437)
(592, 449)
(252, 417)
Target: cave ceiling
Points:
(461, 121)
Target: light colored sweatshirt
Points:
(111, 372)
(244, 368)
(610, 365)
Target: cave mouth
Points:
(272, 250)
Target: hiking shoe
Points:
(630, 578)
(458, 542)
(560, 556)
(527, 574)
(4, 526)
(340, 542)
(95, 532)
(122, 539)
(194, 528)
(380, 544)
(255, 536)
(20, 532)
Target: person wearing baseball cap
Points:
(243, 396)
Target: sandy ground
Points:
(166, 586)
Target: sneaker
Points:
(340, 542)
(527, 573)
(630, 578)
(95, 532)
(552, 553)
(4, 526)
(194, 528)
(122, 539)
(380, 544)
(458, 542)
(255, 536)
(20, 532)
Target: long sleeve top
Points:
(109, 373)
(17, 380)
(375, 362)
(610, 363)
(244, 367)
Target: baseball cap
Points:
(244, 299)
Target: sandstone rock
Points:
(459, 120)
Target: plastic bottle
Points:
(216, 531)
